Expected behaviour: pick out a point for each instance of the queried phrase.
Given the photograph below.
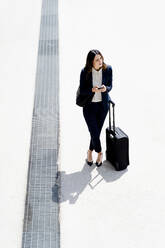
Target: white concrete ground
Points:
(102, 207)
(19, 25)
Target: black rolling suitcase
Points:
(117, 144)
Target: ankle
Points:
(89, 156)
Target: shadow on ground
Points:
(68, 187)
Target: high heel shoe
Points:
(98, 164)
(89, 162)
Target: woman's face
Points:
(97, 62)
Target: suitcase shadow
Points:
(107, 173)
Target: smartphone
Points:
(100, 88)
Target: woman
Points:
(95, 74)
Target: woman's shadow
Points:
(70, 186)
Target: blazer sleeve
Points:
(84, 90)
(109, 83)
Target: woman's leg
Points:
(101, 116)
(90, 115)
(91, 147)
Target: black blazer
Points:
(86, 84)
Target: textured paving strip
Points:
(41, 219)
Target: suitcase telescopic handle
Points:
(113, 107)
(113, 104)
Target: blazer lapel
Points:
(103, 76)
(90, 79)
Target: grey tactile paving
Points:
(41, 219)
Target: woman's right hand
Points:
(95, 89)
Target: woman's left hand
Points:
(104, 89)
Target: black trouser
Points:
(95, 115)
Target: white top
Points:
(97, 81)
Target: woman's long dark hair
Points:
(89, 61)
